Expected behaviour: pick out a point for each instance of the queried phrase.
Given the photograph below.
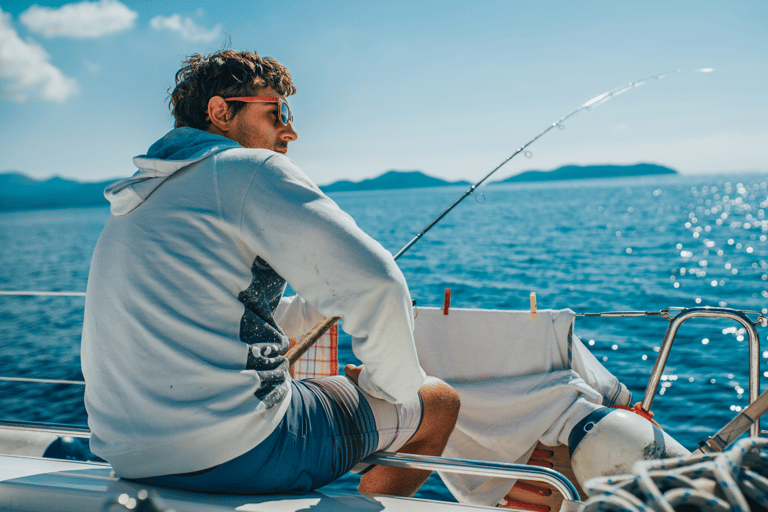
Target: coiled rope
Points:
(725, 481)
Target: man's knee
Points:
(441, 402)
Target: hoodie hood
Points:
(176, 150)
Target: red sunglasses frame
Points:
(267, 99)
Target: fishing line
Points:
(594, 102)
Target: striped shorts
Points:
(330, 426)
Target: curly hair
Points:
(225, 73)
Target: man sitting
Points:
(186, 323)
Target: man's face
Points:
(258, 125)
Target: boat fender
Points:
(71, 448)
(609, 441)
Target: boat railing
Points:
(669, 337)
(28, 293)
(58, 429)
(478, 468)
(707, 312)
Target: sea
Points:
(642, 244)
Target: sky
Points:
(444, 87)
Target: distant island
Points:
(416, 179)
(391, 180)
(578, 172)
(21, 192)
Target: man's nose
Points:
(289, 133)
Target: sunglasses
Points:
(285, 111)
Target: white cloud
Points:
(25, 72)
(81, 20)
(187, 28)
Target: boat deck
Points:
(33, 484)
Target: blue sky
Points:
(448, 88)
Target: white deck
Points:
(35, 484)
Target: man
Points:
(185, 322)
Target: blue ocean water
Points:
(593, 245)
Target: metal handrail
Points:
(707, 312)
(41, 293)
(59, 429)
(43, 381)
(478, 468)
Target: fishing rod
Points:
(295, 352)
(597, 100)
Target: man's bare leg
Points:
(441, 409)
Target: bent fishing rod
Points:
(295, 352)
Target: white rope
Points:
(44, 294)
(663, 485)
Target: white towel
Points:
(520, 381)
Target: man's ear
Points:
(219, 114)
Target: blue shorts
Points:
(330, 426)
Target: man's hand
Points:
(353, 372)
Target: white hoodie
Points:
(180, 346)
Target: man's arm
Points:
(339, 270)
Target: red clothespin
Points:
(447, 301)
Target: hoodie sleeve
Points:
(341, 271)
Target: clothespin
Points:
(533, 306)
(447, 301)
